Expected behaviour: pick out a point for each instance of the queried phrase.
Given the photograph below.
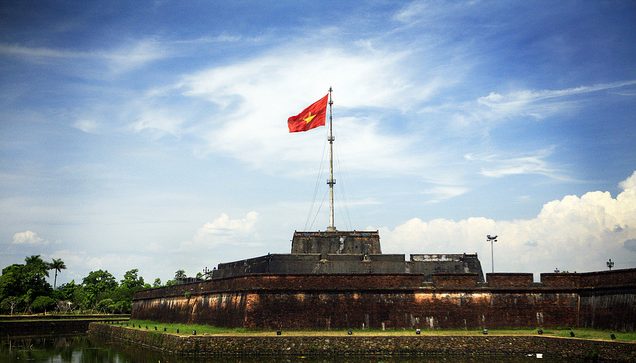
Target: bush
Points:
(42, 304)
(105, 306)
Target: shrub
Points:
(42, 304)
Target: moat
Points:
(81, 348)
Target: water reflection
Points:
(81, 349)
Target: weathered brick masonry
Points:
(597, 299)
(553, 349)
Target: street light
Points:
(610, 264)
(492, 239)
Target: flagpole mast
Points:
(331, 181)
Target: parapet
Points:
(560, 280)
(337, 242)
(454, 280)
(509, 280)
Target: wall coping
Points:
(441, 283)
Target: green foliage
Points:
(42, 304)
(105, 306)
(157, 282)
(66, 291)
(180, 275)
(96, 287)
(171, 282)
(10, 303)
(25, 282)
(23, 288)
(132, 280)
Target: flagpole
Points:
(331, 181)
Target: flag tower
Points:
(311, 117)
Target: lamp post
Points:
(492, 240)
(610, 264)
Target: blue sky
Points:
(153, 135)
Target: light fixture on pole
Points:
(492, 240)
(610, 264)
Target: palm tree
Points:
(58, 265)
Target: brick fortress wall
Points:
(605, 300)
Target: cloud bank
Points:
(573, 233)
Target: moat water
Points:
(82, 349)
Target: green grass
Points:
(584, 333)
(186, 329)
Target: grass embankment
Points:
(187, 329)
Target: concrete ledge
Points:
(243, 345)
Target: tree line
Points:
(24, 289)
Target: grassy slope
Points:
(187, 329)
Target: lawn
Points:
(188, 329)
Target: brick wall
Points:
(398, 301)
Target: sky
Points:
(153, 135)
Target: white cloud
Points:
(443, 192)
(496, 166)
(28, 238)
(87, 126)
(629, 183)
(226, 231)
(536, 104)
(519, 99)
(253, 101)
(158, 122)
(39, 52)
(574, 233)
(135, 55)
(433, 12)
(130, 56)
(472, 118)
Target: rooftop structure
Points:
(348, 252)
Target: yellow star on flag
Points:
(309, 117)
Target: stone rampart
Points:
(494, 346)
(399, 301)
(348, 263)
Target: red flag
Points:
(312, 116)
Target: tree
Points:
(121, 298)
(66, 291)
(37, 265)
(42, 304)
(157, 282)
(24, 283)
(10, 303)
(180, 275)
(35, 273)
(105, 306)
(132, 280)
(58, 265)
(96, 286)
